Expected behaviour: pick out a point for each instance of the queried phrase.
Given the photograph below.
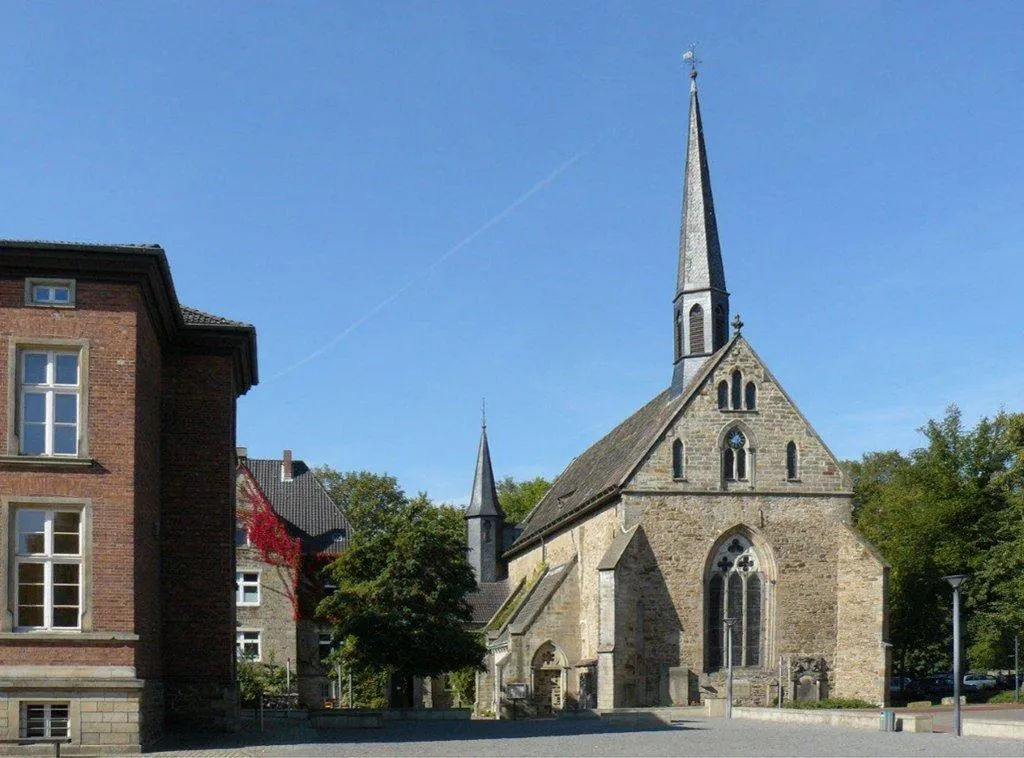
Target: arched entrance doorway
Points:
(548, 679)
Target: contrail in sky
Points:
(494, 221)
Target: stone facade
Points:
(644, 617)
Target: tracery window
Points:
(678, 467)
(735, 452)
(696, 329)
(735, 589)
(737, 390)
(792, 471)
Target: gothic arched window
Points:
(737, 390)
(750, 396)
(678, 469)
(792, 472)
(723, 395)
(735, 589)
(696, 329)
(486, 528)
(734, 456)
(679, 335)
(719, 327)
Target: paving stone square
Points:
(690, 736)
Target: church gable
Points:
(739, 431)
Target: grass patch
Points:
(516, 600)
(838, 703)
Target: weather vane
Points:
(483, 412)
(690, 56)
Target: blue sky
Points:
(420, 204)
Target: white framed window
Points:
(241, 534)
(44, 721)
(50, 394)
(247, 645)
(247, 587)
(48, 569)
(51, 293)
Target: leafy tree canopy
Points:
(517, 498)
(400, 602)
(954, 506)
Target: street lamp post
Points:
(729, 623)
(955, 581)
(1016, 667)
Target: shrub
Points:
(1002, 697)
(832, 702)
(255, 679)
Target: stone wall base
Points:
(99, 721)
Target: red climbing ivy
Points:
(267, 533)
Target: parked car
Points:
(897, 684)
(940, 685)
(981, 681)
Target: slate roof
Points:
(196, 317)
(304, 504)
(483, 501)
(487, 599)
(600, 471)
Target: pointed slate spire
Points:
(483, 501)
(700, 255)
(701, 305)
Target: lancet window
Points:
(696, 330)
(678, 460)
(737, 390)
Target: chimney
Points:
(241, 453)
(286, 466)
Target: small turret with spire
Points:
(484, 517)
(700, 309)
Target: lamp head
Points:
(955, 580)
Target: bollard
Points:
(887, 722)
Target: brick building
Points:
(715, 499)
(117, 474)
(275, 606)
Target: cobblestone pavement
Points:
(693, 736)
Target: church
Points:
(712, 521)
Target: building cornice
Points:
(145, 266)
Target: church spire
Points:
(483, 500)
(485, 521)
(701, 305)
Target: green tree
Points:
(400, 603)
(517, 498)
(953, 506)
